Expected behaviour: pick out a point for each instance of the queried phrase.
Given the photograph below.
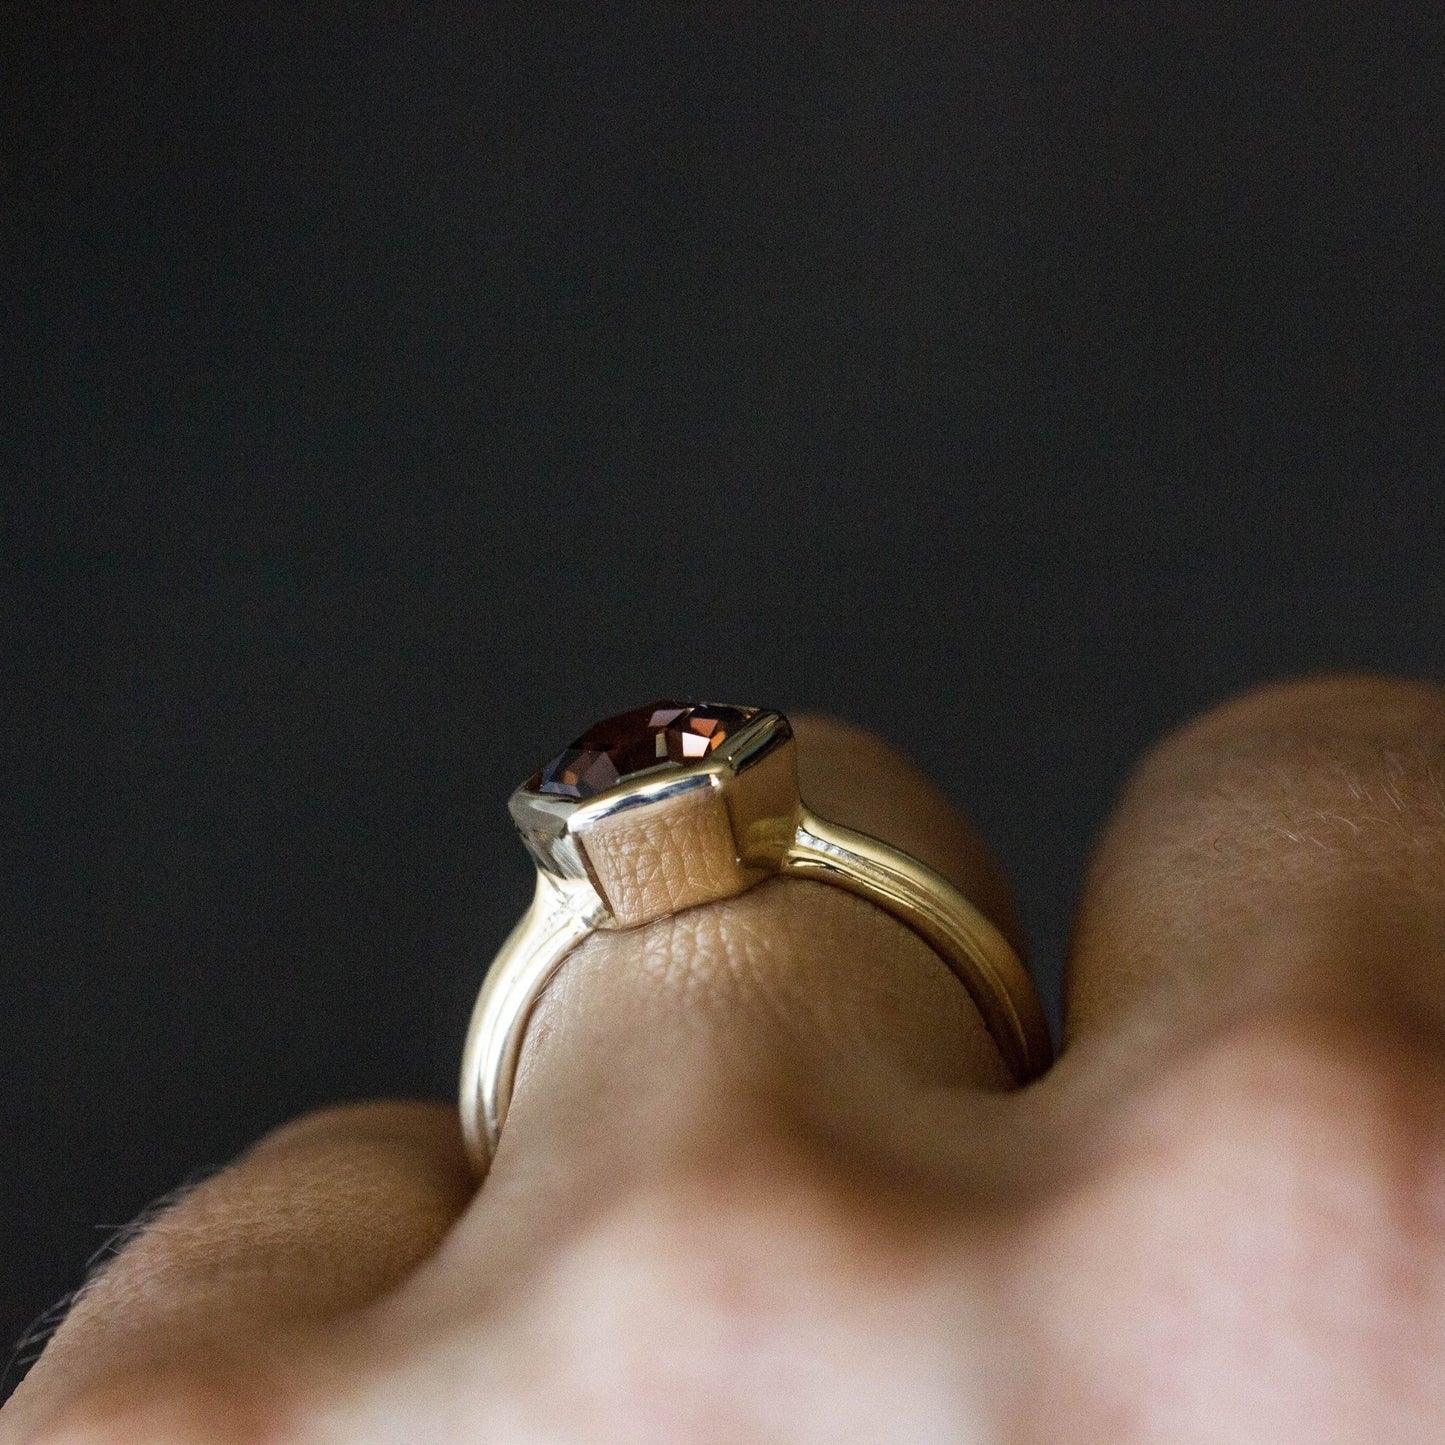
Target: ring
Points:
(674, 805)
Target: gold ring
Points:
(674, 805)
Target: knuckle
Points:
(1331, 1123)
(745, 1285)
(1270, 1217)
(732, 1232)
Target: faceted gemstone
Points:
(636, 741)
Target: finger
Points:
(1243, 1133)
(1286, 850)
(686, 1039)
(692, 1037)
(319, 1218)
(795, 992)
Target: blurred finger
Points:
(319, 1218)
(1288, 847)
(1240, 1227)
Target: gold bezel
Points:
(754, 770)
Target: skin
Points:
(764, 1179)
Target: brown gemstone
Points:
(636, 742)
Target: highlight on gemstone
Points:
(634, 742)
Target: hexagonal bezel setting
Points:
(551, 824)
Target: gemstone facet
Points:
(638, 741)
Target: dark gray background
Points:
(388, 396)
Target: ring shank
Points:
(978, 955)
(564, 911)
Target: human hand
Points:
(764, 1178)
